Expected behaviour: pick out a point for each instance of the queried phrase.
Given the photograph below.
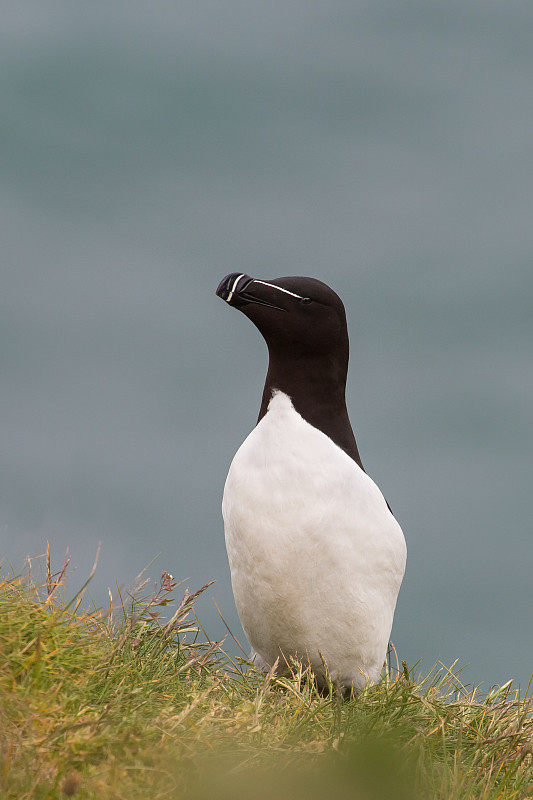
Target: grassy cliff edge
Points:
(134, 702)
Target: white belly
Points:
(316, 557)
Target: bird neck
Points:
(317, 391)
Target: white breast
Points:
(316, 557)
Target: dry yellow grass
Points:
(134, 704)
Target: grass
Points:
(134, 702)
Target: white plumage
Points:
(316, 556)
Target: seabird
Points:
(316, 556)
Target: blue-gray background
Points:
(150, 148)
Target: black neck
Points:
(317, 392)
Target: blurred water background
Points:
(150, 148)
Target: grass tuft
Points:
(133, 701)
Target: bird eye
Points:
(306, 300)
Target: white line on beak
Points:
(235, 282)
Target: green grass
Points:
(135, 703)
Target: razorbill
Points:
(316, 556)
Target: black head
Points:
(298, 317)
(304, 325)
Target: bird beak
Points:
(235, 289)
